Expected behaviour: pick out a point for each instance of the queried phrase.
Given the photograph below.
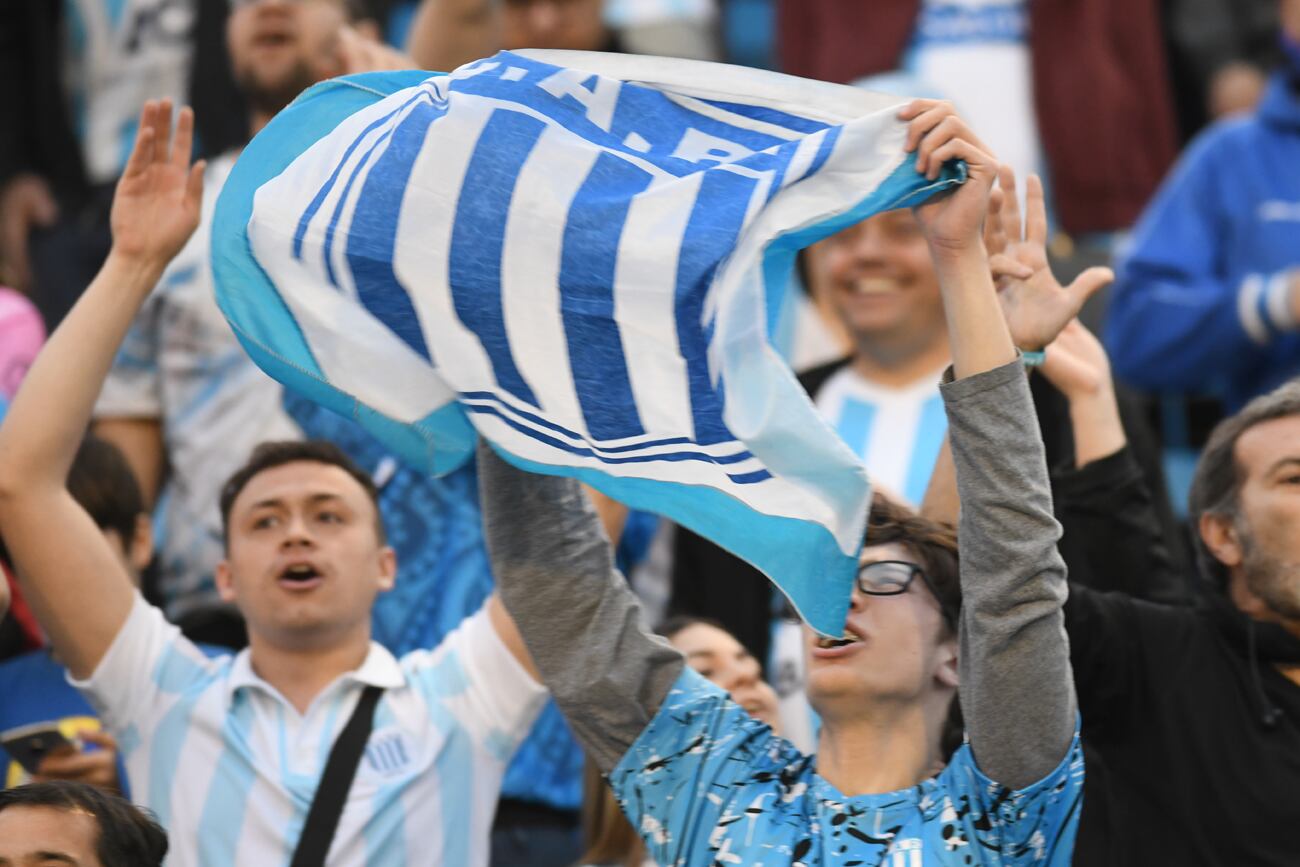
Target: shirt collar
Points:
(380, 668)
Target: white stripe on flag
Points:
(352, 347)
(424, 242)
(530, 268)
(644, 296)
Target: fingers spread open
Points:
(995, 239)
(184, 139)
(1087, 283)
(1035, 211)
(1003, 265)
(142, 151)
(162, 127)
(1011, 224)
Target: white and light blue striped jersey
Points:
(573, 255)
(897, 432)
(229, 766)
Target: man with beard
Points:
(1194, 712)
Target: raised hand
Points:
(156, 206)
(952, 220)
(1035, 304)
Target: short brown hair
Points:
(933, 543)
(269, 455)
(1216, 484)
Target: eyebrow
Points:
(61, 857)
(278, 503)
(694, 653)
(1282, 463)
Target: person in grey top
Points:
(705, 783)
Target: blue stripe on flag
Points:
(587, 452)
(587, 261)
(478, 239)
(714, 224)
(319, 199)
(522, 415)
(327, 248)
(370, 254)
(656, 119)
(792, 122)
(829, 138)
(441, 441)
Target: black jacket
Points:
(1193, 735)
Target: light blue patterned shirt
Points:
(707, 784)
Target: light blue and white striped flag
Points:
(573, 255)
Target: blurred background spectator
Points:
(75, 75)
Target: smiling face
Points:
(305, 558)
(48, 836)
(278, 48)
(724, 661)
(879, 280)
(900, 650)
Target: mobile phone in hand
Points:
(29, 744)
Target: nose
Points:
(741, 674)
(869, 244)
(296, 533)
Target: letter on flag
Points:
(573, 255)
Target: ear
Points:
(224, 581)
(141, 549)
(1221, 538)
(387, 569)
(945, 669)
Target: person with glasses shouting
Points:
(705, 783)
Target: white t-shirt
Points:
(896, 431)
(229, 766)
(117, 54)
(977, 53)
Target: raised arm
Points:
(1016, 690)
(580, 621)
(78, 590)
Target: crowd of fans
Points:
(237, 630)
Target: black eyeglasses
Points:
(887, 577)
(893, 577)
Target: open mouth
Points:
(272, 39)
(300, 575)
(850, 638)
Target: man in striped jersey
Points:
(229, 753)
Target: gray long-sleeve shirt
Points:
(609, 674)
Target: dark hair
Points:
(128, 836)
(675, 623)
(933, 543)
(269, 455)
(1216, 485)
(103, 484)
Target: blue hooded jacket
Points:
(1200, 300)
